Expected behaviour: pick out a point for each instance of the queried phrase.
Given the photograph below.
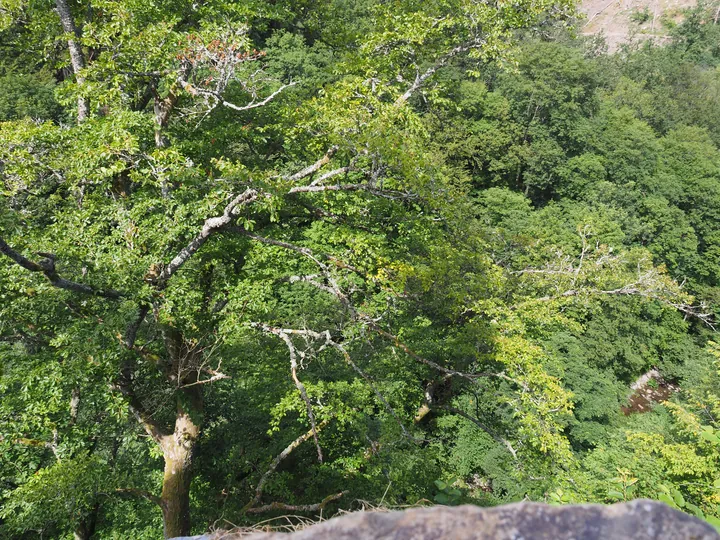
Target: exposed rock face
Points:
(636, 520)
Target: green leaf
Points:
(678, 498)
(695, 510)
(714, 521)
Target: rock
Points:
(636, 520)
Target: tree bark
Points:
(178, 453)
(77, 57)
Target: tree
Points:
(132, 240)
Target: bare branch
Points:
(429, 72)
(210, 226)
(342, 296)
(275, 462)
(299, 507)
(330, 174)
(220, 100)
(212, 379)
(47, 267)
(384, 193)
(319, 164)
(282, 334)
(634, 289)
(327, 340)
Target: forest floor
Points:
(622, 21)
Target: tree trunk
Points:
(176, 491)
(178, 453)
(86, 529)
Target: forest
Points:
(294, 257)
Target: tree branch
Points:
(151, 426)
(429, 72)
(384, 193)
(212, 379)
(298, 508)
(479, 424)
(298, 383)
(47, 267)
(275, 462)
(319, 164)
(210, 226)
(195, 91)
(134, 326)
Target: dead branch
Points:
(384, 193)
(298, 508)
(311, 169)
(330, 174)
(429, 72)
(275, 462)
(282, 334)
(327, 340)
(220, 100)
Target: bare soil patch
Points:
(621, 21)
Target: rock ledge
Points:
(636, 520)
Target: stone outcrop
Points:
(636, 520)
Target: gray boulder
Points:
(636, 520)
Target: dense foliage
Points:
(268, 258)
